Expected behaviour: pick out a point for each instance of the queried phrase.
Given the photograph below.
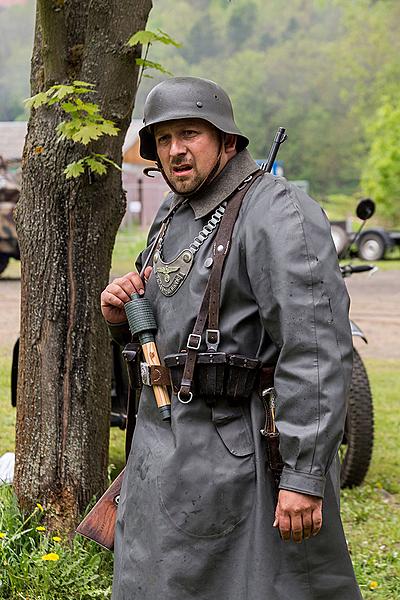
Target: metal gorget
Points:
(171, 275)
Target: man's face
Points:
(188, 150)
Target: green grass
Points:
(38, 566)
(7, 412)
(371, 513)
(128, 245)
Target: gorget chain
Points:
(171, 275)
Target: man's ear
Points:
(230, 142)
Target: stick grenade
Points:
(142, 323)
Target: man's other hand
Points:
(298, 515)
(118, 293)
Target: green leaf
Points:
(96, 166)
(84, 91)
(143, 38)
(83, 84)
(148, 37)
(87, 133)
(105, 158)
(60, 91)
(166, 39)
(67, 129)
(89, 107)
(69, 107)
(149, 64)
(109, 128)
(74, 169)
(36, 101)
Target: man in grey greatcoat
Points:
(198, 515)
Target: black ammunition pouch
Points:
(217, 374)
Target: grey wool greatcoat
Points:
(197, 503)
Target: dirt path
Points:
(374, 307)
(375, 302)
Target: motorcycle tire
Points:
(3, 262)
(356, 449)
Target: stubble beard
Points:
(186, 185)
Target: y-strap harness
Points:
(210, 306)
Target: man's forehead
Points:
(177, 124)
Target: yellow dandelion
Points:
(56, 538)
(40, 507)
(2, 535)
(373, 585)
(40, 528)
(51, 556)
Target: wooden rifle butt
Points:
(99, 523)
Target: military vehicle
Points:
(9, 194)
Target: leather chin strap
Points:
(202, 184)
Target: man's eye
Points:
(162, 140)
(189, 133)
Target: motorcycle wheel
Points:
(356, 449)
(3, 262)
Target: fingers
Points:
(316, 521)
(307, 525)
(118, 293)
(297, 528)
(284, 527)
(298, 516)
(147, 273)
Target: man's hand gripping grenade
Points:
(142, 323)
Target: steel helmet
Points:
(187, 98)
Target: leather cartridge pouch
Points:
(217, 374)
(241, 378)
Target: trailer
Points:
(372, 244)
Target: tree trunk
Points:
(66, 234)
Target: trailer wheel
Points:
(372, 246)
(356, 448)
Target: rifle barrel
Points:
(280, 137)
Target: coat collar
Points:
(237, 169)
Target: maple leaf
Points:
(74, 169)
(87, 133)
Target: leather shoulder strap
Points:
(210, 305)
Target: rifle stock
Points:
(99, 523)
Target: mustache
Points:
(178, 162)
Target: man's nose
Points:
(177, 147)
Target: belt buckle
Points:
(194, 341)
(145, 373)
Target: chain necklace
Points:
(171, 275)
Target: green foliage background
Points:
(325, 69)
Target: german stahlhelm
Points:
(187, 98)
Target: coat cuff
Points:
(120, 332)
(304, 483)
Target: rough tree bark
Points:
(66, 233)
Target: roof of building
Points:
(132, 135)
(12, 139)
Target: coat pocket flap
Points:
(230, 422)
